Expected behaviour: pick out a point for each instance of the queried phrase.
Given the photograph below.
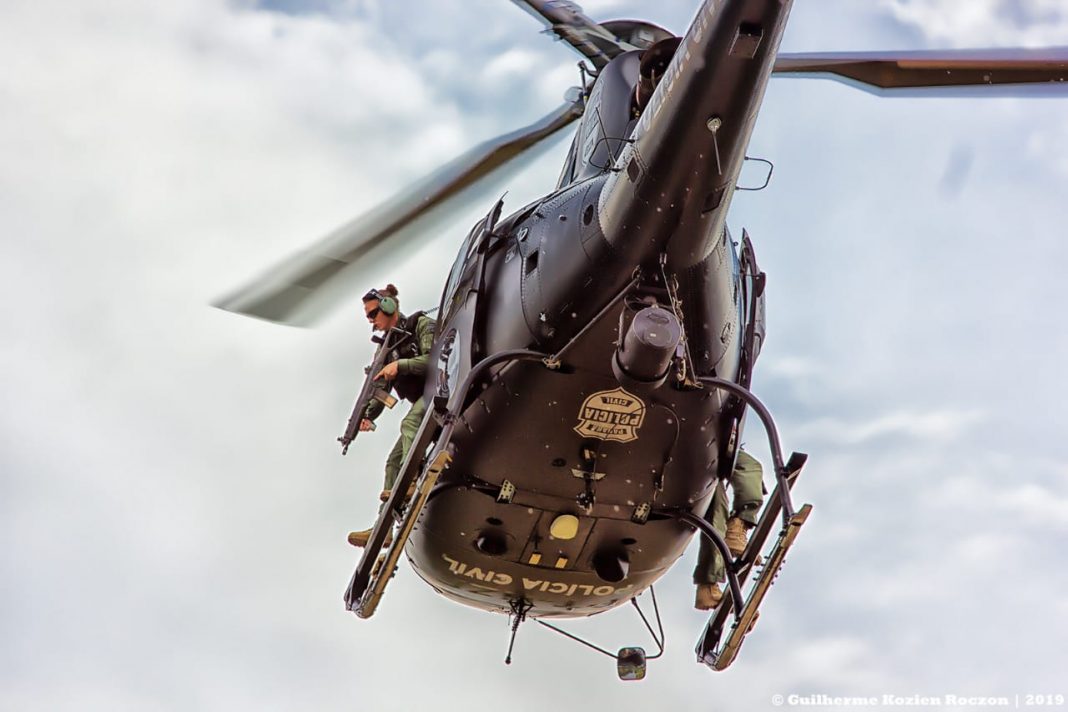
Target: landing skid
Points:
(365, 591)
(779, 506)
(722, 658)
(739, 569)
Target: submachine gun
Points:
(386, 344)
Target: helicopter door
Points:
(753, 285)
(464, 272)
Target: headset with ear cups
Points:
(386, 303)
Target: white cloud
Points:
(841, 663)
(512, 63)
(979, 23)
(1018, 499)
(1050, 145)
(790, 367)
(936, 426)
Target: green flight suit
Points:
(412, 358)
(748, 486)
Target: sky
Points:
(174, 505)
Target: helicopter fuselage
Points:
(558, 474)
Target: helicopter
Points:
(594, 350)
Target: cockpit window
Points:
(448, 297)
(568, 174)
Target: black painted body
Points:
(638, 218)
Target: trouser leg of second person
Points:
(748, 488)
(747, 482)
(748, 495)
(710, 567)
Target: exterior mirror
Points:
(630, 663)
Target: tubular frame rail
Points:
(773, 437)
(744, 610)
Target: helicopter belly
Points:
(555, 576)
(553, 493)
(563, 483)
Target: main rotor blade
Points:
(303, 287)
(566, 20)
(998, 72)
(598, 42)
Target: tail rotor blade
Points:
(306, 285)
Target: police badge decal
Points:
(611, 415)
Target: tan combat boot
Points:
(361, 538)
(737, 536)
(708, 596)
(386, 493)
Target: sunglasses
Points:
(373, 313)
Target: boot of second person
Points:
(737, 536)
(708, 596)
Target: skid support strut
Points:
(743, 610)
(753, 402)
